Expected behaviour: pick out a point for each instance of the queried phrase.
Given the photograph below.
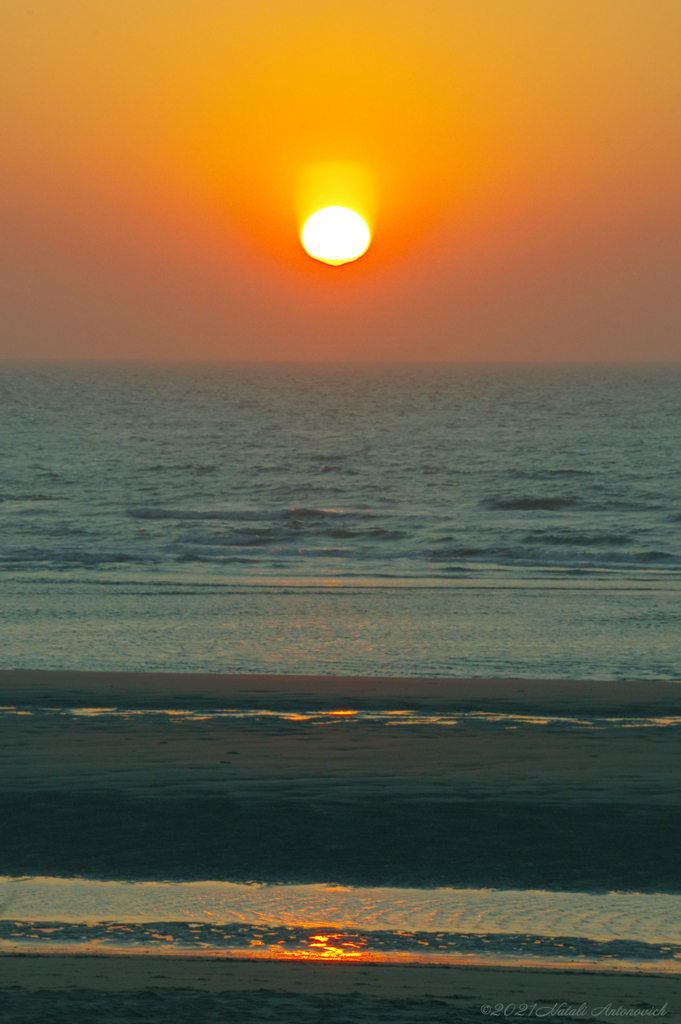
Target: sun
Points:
(336, 235)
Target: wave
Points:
(292, 515)
(549, 474)
(190, 467)
(578, 540)
(378, 553)
(530, 504)
(29, 497)
(42, 556)
(586, 504)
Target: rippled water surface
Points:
(332, 922)
(419, 521)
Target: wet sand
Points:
(77, 988)
(588, 807)
(177, 689)
(478, 804)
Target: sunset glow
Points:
(516, 168)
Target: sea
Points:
(330, 520)
(439, 520)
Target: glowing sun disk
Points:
(336, 235)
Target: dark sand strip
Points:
(122, 989)
(172, 690)
(587, 848)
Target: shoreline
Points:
(245, 960)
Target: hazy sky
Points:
(519, 162)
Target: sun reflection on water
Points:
(326, 947)
(392, 717)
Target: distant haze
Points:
(525, 159)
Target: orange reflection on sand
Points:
(342, 953)
(324, 947)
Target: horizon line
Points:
(382, 363)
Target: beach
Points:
(79, 989)
(563, 787)
(509, 802)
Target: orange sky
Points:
(518, 161)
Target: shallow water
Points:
(332, 922)
(262, 717)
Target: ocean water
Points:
(419, 521)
